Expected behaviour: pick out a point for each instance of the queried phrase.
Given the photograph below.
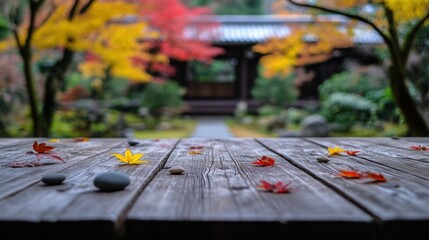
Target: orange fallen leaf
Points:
(195, 152)
(353, 153)
(81, 139)
(349, 174)
(378, 177)
(420, 148)
(264, 161)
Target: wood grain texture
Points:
(78, 204)
(403, 198)
(218, 196)
(220, 188)
(386, 152)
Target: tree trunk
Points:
(54, 79)
(31, 92)
(417, 126)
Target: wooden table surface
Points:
(218, 196)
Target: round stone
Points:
(133, 142)
(111, 181)
(176, 170)
(53, 179)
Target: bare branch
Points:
(86, 7)
(360, 18)
(411, 36)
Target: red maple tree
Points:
(183, 36)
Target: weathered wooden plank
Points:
(13, 142)
(401, 158)
(403, 199)
(219, 196)
(421, 140)
(15, 179)
(400, 147)
(77, 208)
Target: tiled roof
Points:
(236, 29)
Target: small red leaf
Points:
(420, 148)
(353, 153)
(264, 161)
(196, 147)
(278, 187)
(378, 177)
(349, 174)
(41, 147)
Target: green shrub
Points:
(344, 110)
(350, 82)
(162, 98)
(296, 115)
(374, 89)
(277, 91)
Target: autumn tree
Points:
(95, 27)
(27, 18)
(184, 35)
(160, 29)
(398, 23)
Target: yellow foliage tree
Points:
(305, 45)
(70, 26)
(396, 21)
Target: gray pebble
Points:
(176, 170)
(111, 181)
(53, 178)
(323, 159)
(133, 142)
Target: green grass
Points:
(181, 128)
(389, 130)
(247, 130)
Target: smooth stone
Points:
(111, 181)
(323, 159)
(133, 142)
(53, 179)
(176, 170)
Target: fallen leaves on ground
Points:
(354, 174)
(420, 148)
(41, 150)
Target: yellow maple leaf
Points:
(195, 152)
(130, 158)
(335, 150)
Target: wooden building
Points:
(218, 88)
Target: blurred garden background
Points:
(149, 68)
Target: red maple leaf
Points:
(420, 148)
(349, 174)
(43, 150)
(196, 147)
(377, 177)
(264, 161)
(278, 187)
(353, 153)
